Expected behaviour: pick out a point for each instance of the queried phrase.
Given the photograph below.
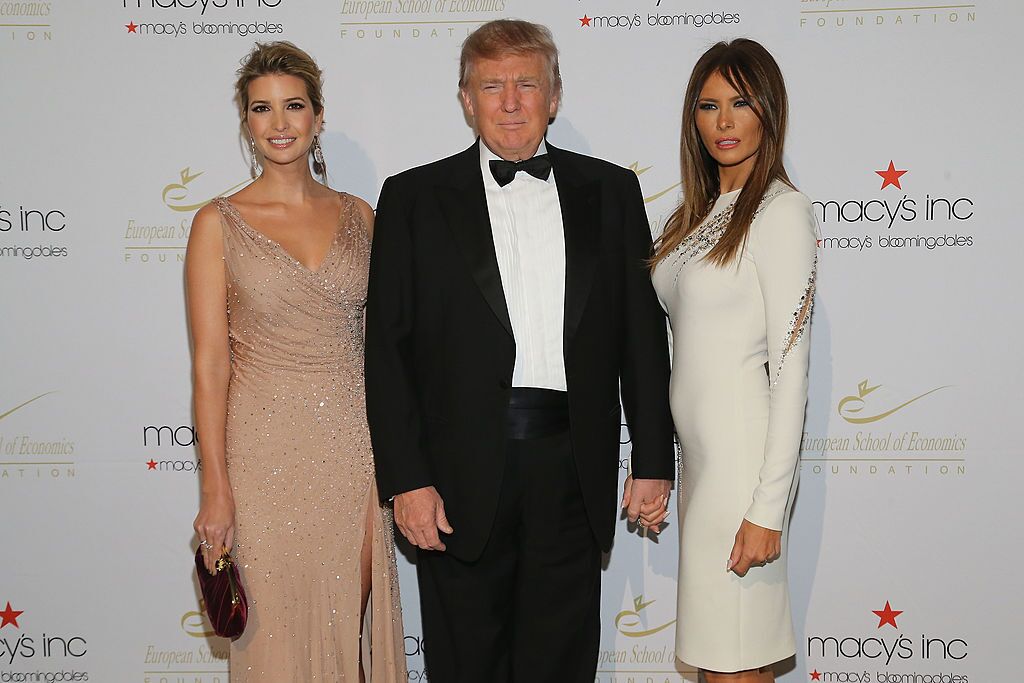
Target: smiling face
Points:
(281, 119)
(511, 100)
(727, 125)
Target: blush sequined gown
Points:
(300, 464)
(738, 391)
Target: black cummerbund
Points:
(534, 413)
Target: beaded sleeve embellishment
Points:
(801, 319)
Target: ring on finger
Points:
(206, 544)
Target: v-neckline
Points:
(280, 247)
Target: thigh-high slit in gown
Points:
(299, 460)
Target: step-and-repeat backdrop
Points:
(117, 123)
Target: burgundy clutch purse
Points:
(224, 596)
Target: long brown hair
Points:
(753, 73)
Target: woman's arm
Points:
(206, 293)
(784, 250)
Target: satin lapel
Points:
(464, 205)
(580, 201)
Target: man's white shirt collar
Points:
(486, 156)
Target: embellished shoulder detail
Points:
(349, 213)
(351, 220)
(707, 235)
(224, 206)
(234, 218)
(236, 231)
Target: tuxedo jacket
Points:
(440, 350)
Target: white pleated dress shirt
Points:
(529, 242)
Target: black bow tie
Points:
(504, 171)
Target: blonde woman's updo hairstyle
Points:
(280, 58)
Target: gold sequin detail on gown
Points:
(300, 464)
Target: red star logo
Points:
(585, 21)
(10, 616)
(815, 675)
(152, 464)
(891, 176)
(131, 26)
(887, 615)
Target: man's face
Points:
(511, 99)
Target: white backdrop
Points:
(117, 122)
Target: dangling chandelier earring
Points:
(253, 161)
(318, 156)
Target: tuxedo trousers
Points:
(528, 609)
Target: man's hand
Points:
(419, 514)
(755, 546)
(646, 500)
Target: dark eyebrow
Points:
(290, 99)
(731, 99)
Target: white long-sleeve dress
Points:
(739, 386)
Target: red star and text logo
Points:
(10, 616)
(887, 615)
(152, 464)
(815, 675)
(585, 21)
(891, 176)
(131, 26)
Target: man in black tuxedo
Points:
(509, 304)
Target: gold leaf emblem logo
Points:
(851, 407)
(176, 195)
(630, 623)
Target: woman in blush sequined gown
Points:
(276, 281)
(735, 270)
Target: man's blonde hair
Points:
(503, 37)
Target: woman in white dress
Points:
(735, 270)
